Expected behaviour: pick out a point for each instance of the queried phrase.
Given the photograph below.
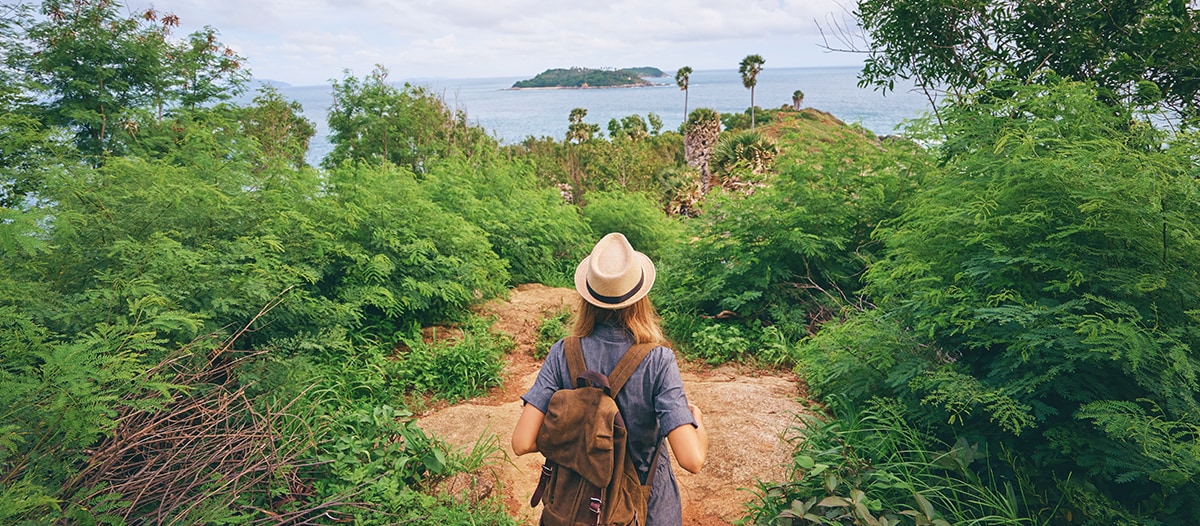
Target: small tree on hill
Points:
(579, 131)
(681, 79)
(750, 68)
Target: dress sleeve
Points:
(670, 402)
(548, 379)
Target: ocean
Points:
(513, 115)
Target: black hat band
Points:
(614, 300)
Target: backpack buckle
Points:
(595, 505)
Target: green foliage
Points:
(719, 343)
(28, 154)
(133, 64)
(701, 117)
(871, 467)
(376, 122)
(281, 132)
(640, 159)
(791, 252)
(551, 329)
(747, 151)
(366, 449)
(59, 399)
(579, 132)
(1036, 293)
(632, 127)
(400, 256)
(1118, 45)
(636, 216)
(531, 228)
(590, 78)
(454, 370)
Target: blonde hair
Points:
(640, 319)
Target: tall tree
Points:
(1145, 52)
(580, 132)
(749, 68)
(701, 131)
(682, 77)
(373, 120)
(97, 68)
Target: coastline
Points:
(647, 85)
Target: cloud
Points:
(309, 41)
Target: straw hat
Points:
(614, 275)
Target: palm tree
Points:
(681, 79)
(749, 69)
(700, 133)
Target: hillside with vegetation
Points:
(590, 78)
(995, 311)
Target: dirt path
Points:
(746, 413)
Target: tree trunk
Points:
(699, 142)
(751, 107)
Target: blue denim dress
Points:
(652, 404)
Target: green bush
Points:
(1037, 295)
(791, 253)
(552, 328)
(871, 466)
(531, 228)
(60, 398)
(635, 215)
(454, 370)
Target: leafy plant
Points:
(455, 369)
(870, 467)
(790, 254)
(1036, 295)
(551, 329)
(718, 343)
(637, 217)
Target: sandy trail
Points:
(747, 413)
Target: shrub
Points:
(552, 328)
(454, 370)
(870, 466)
(635, 215)
(792, 252)
(1039, 294)
(531, 228)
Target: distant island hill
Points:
(591, 78)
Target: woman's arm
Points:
(690, 444)
(524, 439)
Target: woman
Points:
(615, 313)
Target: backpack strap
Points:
(627, 365)
(543, 482)
(574, 353)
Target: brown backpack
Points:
(589, 477)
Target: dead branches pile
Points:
(208, 449)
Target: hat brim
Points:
(648, 275)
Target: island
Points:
(591, 78)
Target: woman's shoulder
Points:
(662, 354)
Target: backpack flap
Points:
(581, 417)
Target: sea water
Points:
(513, 115)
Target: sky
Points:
(309, 42)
